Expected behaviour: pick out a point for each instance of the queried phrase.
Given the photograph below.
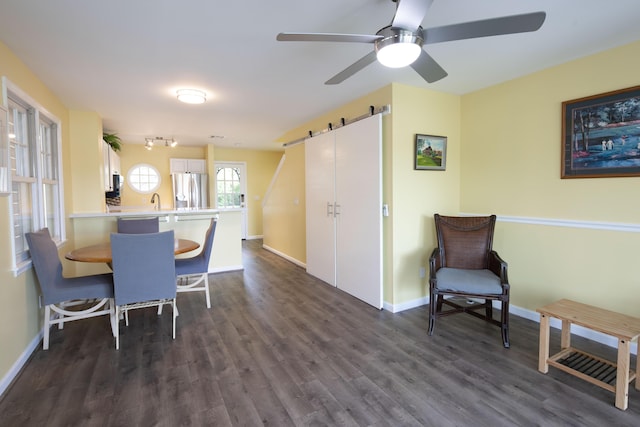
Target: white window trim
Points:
(7, 85)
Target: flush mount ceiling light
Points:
(398, 48)
(191, 96)
(168, 142)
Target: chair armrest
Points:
(499, 267)
(434, 263)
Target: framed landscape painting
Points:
(601, 135)
(430, 152)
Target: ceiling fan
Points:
(400, 44)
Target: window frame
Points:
(133, 184)
(38, 118)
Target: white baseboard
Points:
(20, 362)
(527, 314)
(396, 308)
(256, 237)
(285, 256)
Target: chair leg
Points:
(117, 328)
(488, 308)
(47, 326)
(175, 314)
(432, 312)
(113, 318)
(504, 324)
(206, 289)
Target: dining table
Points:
(101, 252)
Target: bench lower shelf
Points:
(588, 367)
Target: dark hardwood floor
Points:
(281, 348)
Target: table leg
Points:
(565, 338)
(543, 351)
(622, 376)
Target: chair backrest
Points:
(44, 255)
(138, 225)
(465, 242)
(205, 254)
(143, 267)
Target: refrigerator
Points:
(189, 190)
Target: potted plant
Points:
(113, 140)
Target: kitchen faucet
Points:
(153, 200)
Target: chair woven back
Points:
(465, 242)
(138, 225)
(143, 267)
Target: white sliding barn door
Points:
(344, 208)
(359, 209)
(320, 196)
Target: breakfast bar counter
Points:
(91, 228)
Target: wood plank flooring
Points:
(280, 348)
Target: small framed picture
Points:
(430, 152)
(601, 135)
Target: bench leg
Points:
(565, 337)
(543, 350)
(622, 376)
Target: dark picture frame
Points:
(430, 152)
(601, 135)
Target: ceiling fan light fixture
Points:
(191, 96)
(398, 48)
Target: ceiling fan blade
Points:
(327, 37)
(428, 68)
(488, 27)
(410, 13)
(352, 69)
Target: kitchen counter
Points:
(95, 227)
(122, 211)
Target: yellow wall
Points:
(418, 194)
(20, 318)
(261, 166)
(86, 156)
(511, 159)
(284, 208)
(134, 153)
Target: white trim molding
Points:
(554, 222)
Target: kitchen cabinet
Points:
(187, 166)
(343, 179)
(111, 165)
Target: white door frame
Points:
(243, 188)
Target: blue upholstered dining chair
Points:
(138, 225)
(59, 292)
(193, 273)
(144, 273)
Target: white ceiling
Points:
(125, 59)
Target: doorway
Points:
(231, 189)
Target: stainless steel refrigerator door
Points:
(189, 190)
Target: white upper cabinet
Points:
(188, 166)
(111, 165)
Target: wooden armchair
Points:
(464, 269)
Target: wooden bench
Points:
(598, 371)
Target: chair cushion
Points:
(468, 281)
